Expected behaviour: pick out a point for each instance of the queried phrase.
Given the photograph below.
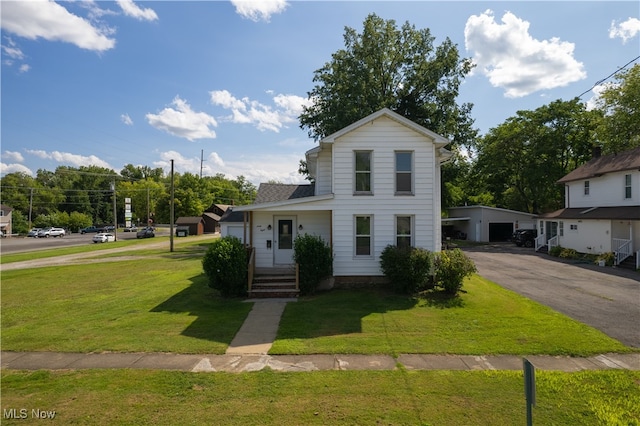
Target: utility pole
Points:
(171, 213)
(30, 206)
(115, 217)
(201, 161)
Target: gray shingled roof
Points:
(231, 216)
(609, 213)
(273, 192)
(621, 161)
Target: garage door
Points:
(499, 231)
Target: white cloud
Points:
(263, 117)
(131, 9)
(14, 168)
(24, 67)
(66, 158)
(256, 168)
(596, 100)
(183, 122)
(625, 30)
(513, 60)
(257, 10)
(49, 20)
(13, 156)
(126, 119)
(11, 49)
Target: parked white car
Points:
(103, 237)
(57, 232)
(34, 232)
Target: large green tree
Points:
(619, 129)
(520, 161)
(396, 68)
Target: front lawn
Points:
(485, 319)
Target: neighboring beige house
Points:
(6, 224)
(376, 182)
(602, 208)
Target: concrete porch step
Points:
(270, 293)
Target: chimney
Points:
(597, 151)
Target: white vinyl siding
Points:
(608, 190)
(384, 137)
(323, 178)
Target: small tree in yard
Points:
(315, 261)
(225, 264)
(452, 267)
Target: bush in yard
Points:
(314, 259)
(409, 270)
(568, 253)
(555, 251)
(225, 264)
(609, 258)
(451, 268)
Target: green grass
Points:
(156, 304)
(486, 319)
(106, 397)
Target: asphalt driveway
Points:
(607, 299)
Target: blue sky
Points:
(142, 83)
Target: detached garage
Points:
(486, 224)
(191, 225)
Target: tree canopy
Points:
(396, 68)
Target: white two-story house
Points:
(602, 208)
(376, 182)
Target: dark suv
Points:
(525, 237)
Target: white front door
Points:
(285, 233)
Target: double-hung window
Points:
(403, 231)
(627, 187)
(363, 235)
(404, 172)
(362, 167)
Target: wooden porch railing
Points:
(540, 241)
(553, 241)
(251, 267)
(621, 248)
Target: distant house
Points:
(377, 183)
(486, 224)
(6, 221)
(212, 216)
(195, 224)
(602, 208)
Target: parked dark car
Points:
(525, 237)
(145, 233)
(91, 229)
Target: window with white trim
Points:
(404, 172)
(404, 234)
(362, 177)
(627, 187)
(363, 235)
(561, 228)
(573, 227)
(586, 187)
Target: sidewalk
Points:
(238, 363)
(249, 348)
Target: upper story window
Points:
(403, 231)
(586, 187)
(362, 169)
(404, 172)
(363, 235)
(627, 186)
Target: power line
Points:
(599, 82)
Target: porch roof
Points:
(606, 213)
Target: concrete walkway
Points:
(248, 352)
